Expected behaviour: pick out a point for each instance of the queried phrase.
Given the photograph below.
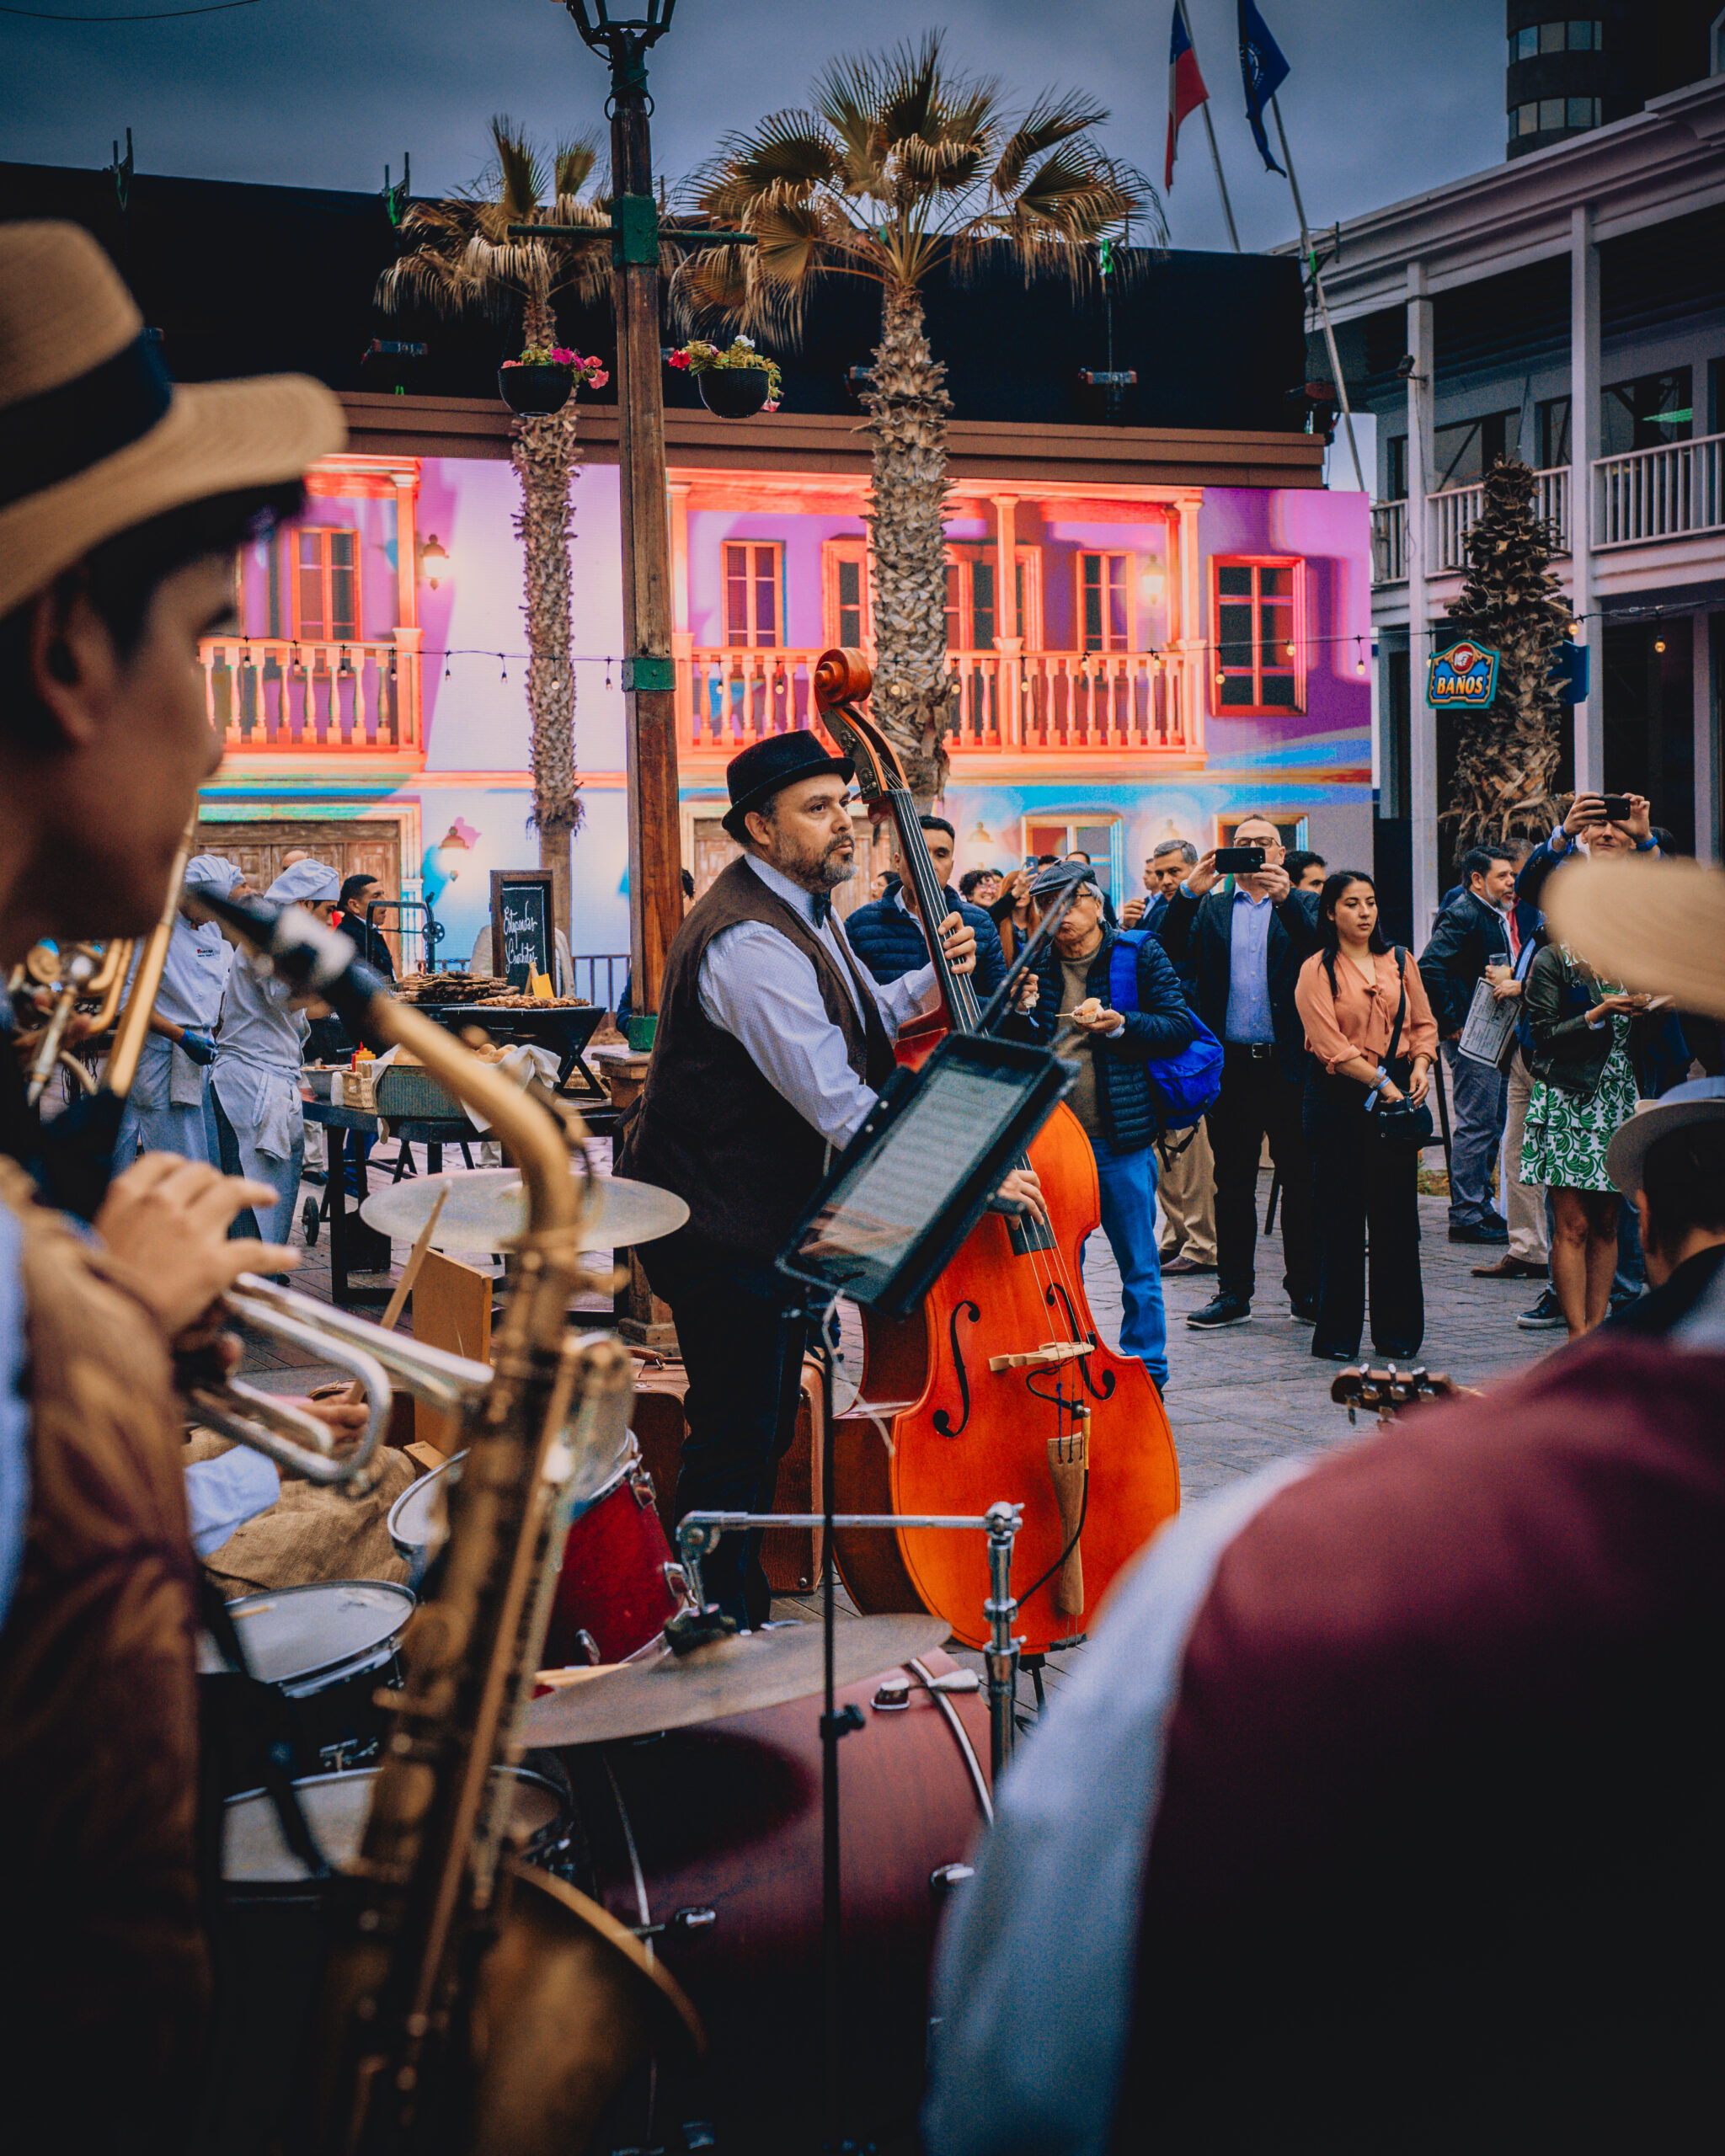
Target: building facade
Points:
(1568, 308)
(1151, 633)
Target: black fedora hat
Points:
(766, 767)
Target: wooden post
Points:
(649, 685)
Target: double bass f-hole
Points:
(1105, 1389)
(943, 1421)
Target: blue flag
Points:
(1263, 71)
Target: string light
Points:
(1658, 643)
(1360, 655)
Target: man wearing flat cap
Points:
(773, 1040)
(122, 500)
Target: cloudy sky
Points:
(1385, 97)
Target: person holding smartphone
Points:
(1243, 945)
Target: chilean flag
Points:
(1186, 90)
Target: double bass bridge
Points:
(1047, 1356)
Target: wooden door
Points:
(350, 846)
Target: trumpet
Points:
(297, 1441)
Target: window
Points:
(1291, 825)
(1647, 412)
(1550, 422)
(844, 591)
(973, 621)
(1395, 475)
(1465, 450)
(1105, 602)
(752, 611)
(1585, 36)
(1259, 670)
(1551, 110)
(326, 586)
(1093, 831)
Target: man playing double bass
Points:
(771, 1045)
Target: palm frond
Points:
(1079, 195)
(574, 163)
(521, 178)
(850, 95)
(914, 93)
(943, 168)
(788, 149)
(1051, 121)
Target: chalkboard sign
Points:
(521, 940)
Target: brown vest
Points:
(711, 1127)
(99, 1734)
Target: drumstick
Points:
(403, 1287)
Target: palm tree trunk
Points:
(907, 409)
(545, 454)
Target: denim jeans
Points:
(1479, 1099)
(1127, 1186)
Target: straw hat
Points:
(1656, 926)
(94, 436)
(1701, 1101)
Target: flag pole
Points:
(1323, 305)
(1216, 160)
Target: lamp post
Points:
(650, 679)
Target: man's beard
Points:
(833, 867)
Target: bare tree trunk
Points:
(907, 409)
(545, 455)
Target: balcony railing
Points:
(1660, 494)
(276, 695)
(1457, 509)
(1037, 701)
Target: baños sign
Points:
(1464, 677)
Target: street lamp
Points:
(649, 679)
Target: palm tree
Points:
(901, 169)
(461, 259)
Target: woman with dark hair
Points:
(1371, 1037)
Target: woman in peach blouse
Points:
(1348, 993)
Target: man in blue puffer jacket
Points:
(888, 938)
(1076, 1011)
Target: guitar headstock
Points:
(1389, 1389)
(843, 679)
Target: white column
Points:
(1197, 665)
(1422, 729)
(1584, 451)
(1706, 742)
(1009, 630)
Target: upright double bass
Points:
(1001, 1387)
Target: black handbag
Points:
(1403, 1122)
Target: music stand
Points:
(910, 1187)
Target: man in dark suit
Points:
(1242, 946)
(1486, 927)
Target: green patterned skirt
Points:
(1564, 1145)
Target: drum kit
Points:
(680, 1793)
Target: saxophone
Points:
(471, 2003)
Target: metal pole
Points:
(649, 679)
(1323, 305)
(1002, 1655)
(1216, 160)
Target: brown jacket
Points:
(99, 1736)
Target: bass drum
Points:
(707, 1840)
(271, 1940)
(618, 1583)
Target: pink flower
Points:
(563, 356)
(770, 405)
(599, 377)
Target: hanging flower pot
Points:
(534, 390)
(541, 380)
(734, 383)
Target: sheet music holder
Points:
(914, 1180)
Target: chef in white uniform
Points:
(168, 1110)
(257, 1073)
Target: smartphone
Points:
(1616, 807)
(1239, 859)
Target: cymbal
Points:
(730, 1677)
(487, 1209)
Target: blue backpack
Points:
(1186, 1083)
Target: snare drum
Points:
(619, 1582)
(326, 1649)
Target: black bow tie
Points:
(821, 905)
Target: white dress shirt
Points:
(223, 1493)
(758, 986)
